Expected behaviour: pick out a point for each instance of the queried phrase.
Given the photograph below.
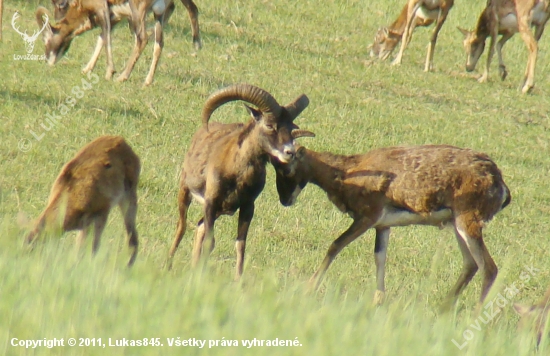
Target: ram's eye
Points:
(270, 127)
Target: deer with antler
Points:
(29, 40)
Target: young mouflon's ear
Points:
(522, 309)
(463, 31)
(255, 113)
(300, 152)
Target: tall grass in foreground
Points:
(54, 292)
(288, 48)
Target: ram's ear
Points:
(255, 113)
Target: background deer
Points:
(414, 13)
(62, 6)
(506, 17)
(104, 173)
(400, 186)
(79, 16)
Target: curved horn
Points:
(301, 133)
(245, 92)
(297, 106)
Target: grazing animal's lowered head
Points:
(58, 37)
(384, 43)
(474, 47)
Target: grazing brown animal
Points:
(400, 186)
(79, 16)
(534, 316)
(62, 6)
(414, 13)
(505, 18)
(104, 173)
(224, 169)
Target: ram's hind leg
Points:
(184, 200)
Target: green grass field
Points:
(289, 48)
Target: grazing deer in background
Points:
(62, 6)
(104, 173)
(79, 16)
(534, 316)
(414, 13)
(400, 186)
(506, 17)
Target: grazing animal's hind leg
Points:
(532, 46)
(157, 49)
(103, 18)
(129, 211)
(194, 18)
(431, 47)
(198, 241)
(138, 26)
(501, 67)
(380, 250)
(184, 200)
(470, 230)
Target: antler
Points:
(13, 19)
(27, 37)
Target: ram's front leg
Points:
(246, 213)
